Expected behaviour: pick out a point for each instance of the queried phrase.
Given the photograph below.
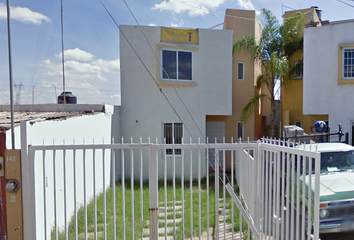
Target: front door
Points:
(215, 131)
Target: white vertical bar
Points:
(75, 193)
(292, 196)
(261, 182)
(266, 195)
(273, 184)
(288, 184)
(174, 193)
(123, 193)
(113, 160)
(282, 214)
(104, 194)
(199, 195)
(55, 198)
(207, 179)
(141, 193)
(309, 203)
(223, 189)
(317, 195)
(232, 184)
(94, 193)
(44, 196)
(165, 190)
(303, 205)
(182, 182)
(132, 188)
(191, 191)
(153, 193)
(277, 205)
(298, 189)
(65, 205)
(85, 200)
(217, 193)
(28, 185)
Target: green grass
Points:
(128, 212)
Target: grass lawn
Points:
(137, 213)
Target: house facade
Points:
(171, 80)
(292, 93)
(329, 73)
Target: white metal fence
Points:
(138, 191)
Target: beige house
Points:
(244, 76)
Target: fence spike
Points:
(131, 139)
(141, 139)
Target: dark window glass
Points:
(185, 65)
(240, 71)
(169, 64)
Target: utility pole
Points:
(10, 74)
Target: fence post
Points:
(153, 193)
(28, 192)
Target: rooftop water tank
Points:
(69, 98)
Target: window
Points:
(240, 71)
(173, 133)
(297, 70)
(298, 123)
(177, 65)
(348, 63)
(239, 131)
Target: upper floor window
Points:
(177, 65)
(240, 71)
(297, 70)
(348, 63)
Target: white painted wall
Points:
(86, 129)
(144, 108)
(322, 94)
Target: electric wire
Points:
(345, 3)
(157, 60)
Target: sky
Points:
(91, 40)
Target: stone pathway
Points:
(227, 234)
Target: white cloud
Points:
(76, 54)
(23, 14)
(180, 24)
(192, 7)
(246, 4)
(152, 24)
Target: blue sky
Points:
(91, 40)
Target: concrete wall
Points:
(144, 107)
(322, 92)
(88, 129)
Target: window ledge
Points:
(176, 83)
(345, 81)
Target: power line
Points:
(345, 3)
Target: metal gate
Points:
(153, 190)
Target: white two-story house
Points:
(171, 79)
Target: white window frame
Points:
(243, 71)
(352, 62)
(243, 130)
(175, 79)
(300, 73)
(177, 151)
(300, 123)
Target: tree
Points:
(272, 51)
